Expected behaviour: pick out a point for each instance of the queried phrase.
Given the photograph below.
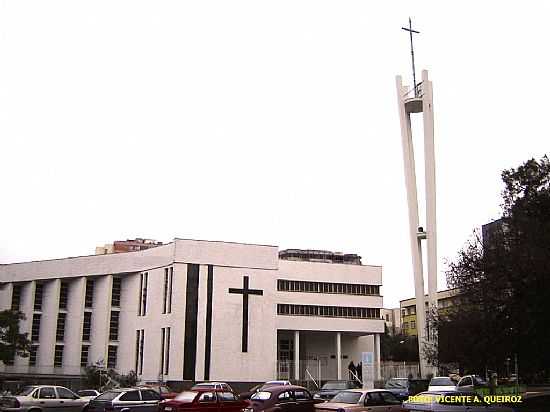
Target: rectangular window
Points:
(58, 356)
(170, 282)
(63, 295)
(143, 293)
(284, 285)
(16, 296)
(329, 311)
(89, 297)
(140, 340)
(164, 351)
(35, 330)
(32, 355)
(84, 355)
(113, 326)
(38, 294)
(165, 291)
(87, 326)
(60, 330)
(115, 293)
(112, 356)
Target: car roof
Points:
(282, 388)
(210, 383)
(360, 390)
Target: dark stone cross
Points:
(245, 291)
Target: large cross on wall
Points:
(245, 291)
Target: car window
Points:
(130, 396)
(389, 398)
(107, 396)
(261, 396)
(207, 397)
(227, 396)
(150, 395)
(64, 393)
(87, 393)
(373, 398)
(302, 395)
(350, 397)
(284, 396)
(441, 382)
(47, 392)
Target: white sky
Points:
(260, 122)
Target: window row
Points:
(284, 285)
(328, 311)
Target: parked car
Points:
(88, 393)
(287, 398)
(451, 401)
(331, 388)
(402, 388)
(257, 388)
(204, 400)
(359, 400)
(164, 391)
(213, 385)
(43, 398)
(469, 383)
(442, 383)
(125, 400)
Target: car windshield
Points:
(261, 396)
(187, 396)
(27, 390)
(334, 385)
(396, 383)
(442, 382)
(107, 396)
(347, 397)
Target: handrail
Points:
(312, 378)
(418, 92)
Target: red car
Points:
(204, 400)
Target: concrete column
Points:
(297, 356)
(377, 374)
(48, 324)
(5, 296)
(73, 326)
(429, 167)
(339, 355)
(101, 314)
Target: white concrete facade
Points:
(191, 328)
(419, 99)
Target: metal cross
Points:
(411, 31)
(245, 291)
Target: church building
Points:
(194, 310)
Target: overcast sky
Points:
(259, 122)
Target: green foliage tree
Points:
(504, 283)
(399, 348)
(11, 341)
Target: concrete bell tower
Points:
(419, 99)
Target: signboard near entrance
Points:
(367, 360)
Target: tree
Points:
(502, 275)
(11, 341)
(398, 348)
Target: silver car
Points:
(43, 398)
(125, 400)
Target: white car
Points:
(442, 383)
(43, 398)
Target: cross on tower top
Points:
(411, 31)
